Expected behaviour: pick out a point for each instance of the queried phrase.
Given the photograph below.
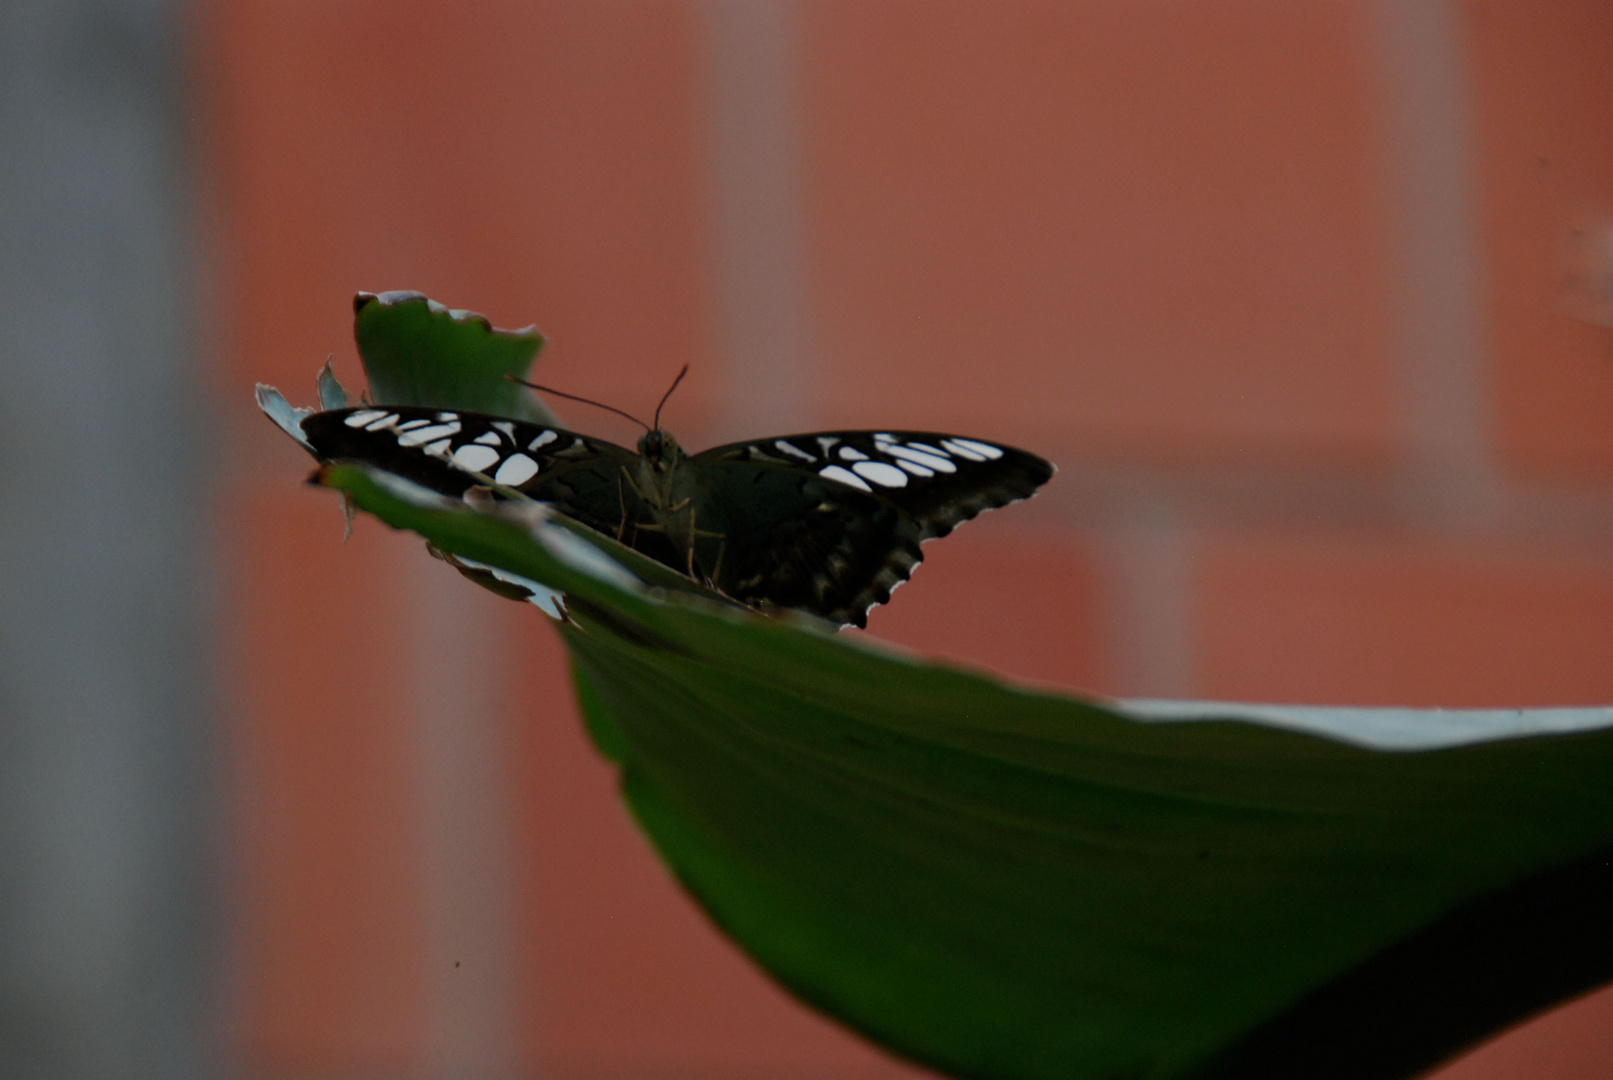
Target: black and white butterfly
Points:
(828, 522)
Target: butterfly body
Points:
(825, 522)
(670, 496)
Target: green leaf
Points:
(331, 394)
(1011, 884)
(415, 351)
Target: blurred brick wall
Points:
(1309, 302)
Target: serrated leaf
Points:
(415, 351)
(1013, 884)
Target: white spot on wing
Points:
(915, 469)
(930, 459)
(437, 448)
(844, 476)
(385, 422)
(475, 456)
(506, 426)
(793, 451)
(447, 416)
(516, 470)
(362, 417)
(542, 440)
(851, 453)
(412, 424)
(490, 438)
(974, 451)
(881, 473)
(826, 441)
(427, 434)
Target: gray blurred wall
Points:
(104, 775)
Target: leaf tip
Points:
(282, 413)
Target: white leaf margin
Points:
(1381, 728)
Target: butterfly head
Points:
(659, 448)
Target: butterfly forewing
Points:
(941, 480)
(827, 522)
(451, 452)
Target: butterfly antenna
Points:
(668, 394)
(585, 401)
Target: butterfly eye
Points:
(650, 445)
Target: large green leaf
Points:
(1014, 884)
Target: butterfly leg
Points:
(630, 483)
(621, 500)
(695, 532)
(702, 532)
(716, 567)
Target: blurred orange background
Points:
(1310, 302)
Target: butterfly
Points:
(827, 522)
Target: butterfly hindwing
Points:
(787, 537)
